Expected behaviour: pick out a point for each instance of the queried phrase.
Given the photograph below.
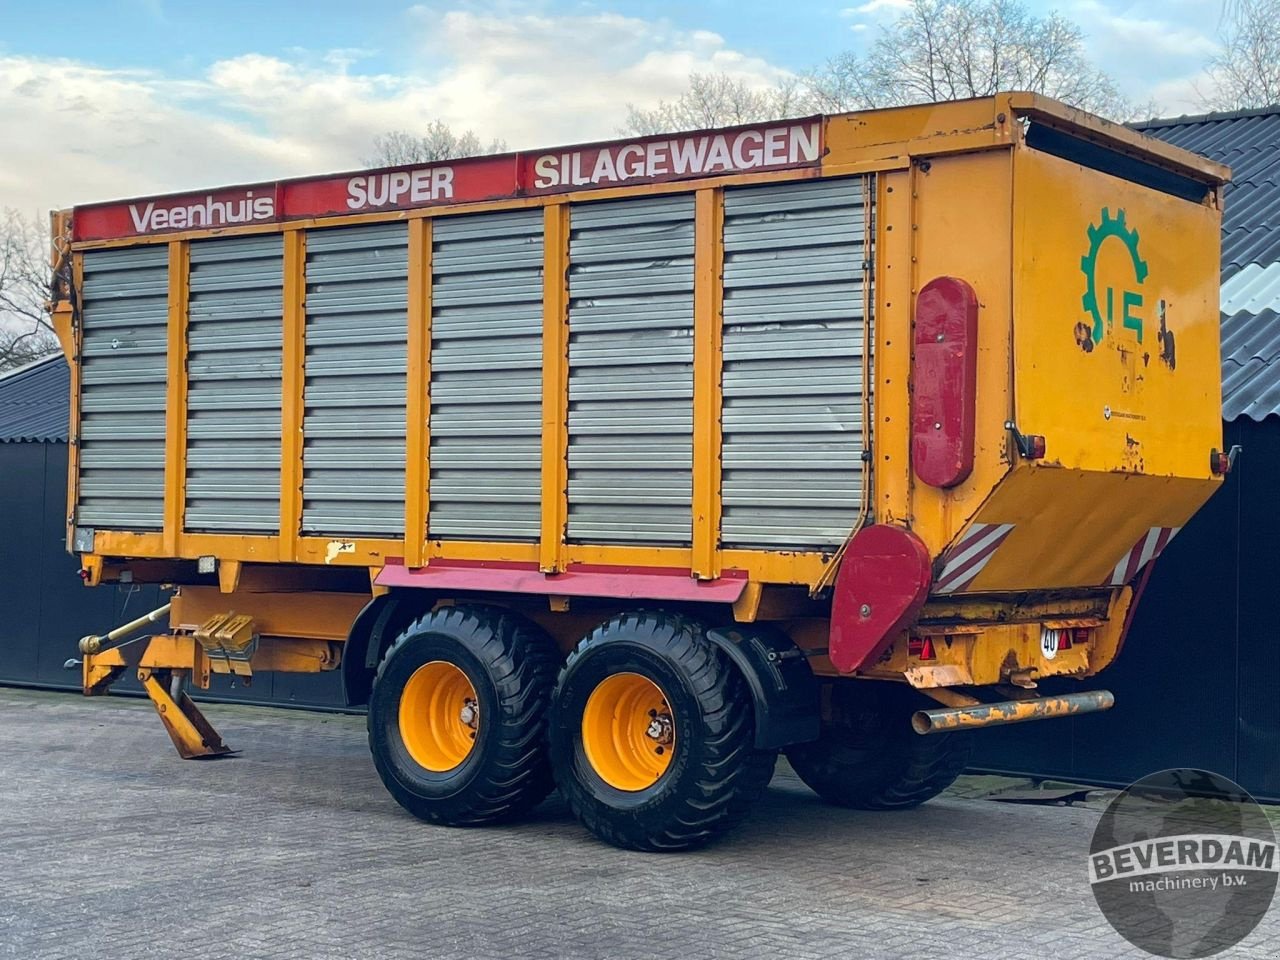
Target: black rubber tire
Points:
(715, 775)
(868, 757)
(512, 665)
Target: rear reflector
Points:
(922, 647)
(944, 382)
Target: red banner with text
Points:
(759, 147)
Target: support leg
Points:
(188, 728)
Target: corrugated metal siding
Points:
(354, 427)
(631, 371)
(793, 315)
(125, 310)
(1249, 141)
(35, 401)
(234, 342)
(486, 376)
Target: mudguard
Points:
(782, 684)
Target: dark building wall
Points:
(1258, 676)
(1198, 681)
(45, 609)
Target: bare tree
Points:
(954, 49)
(1245, 73)
(719, 100)
(25, 331)
(437, 142)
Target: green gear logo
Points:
(1130, 299)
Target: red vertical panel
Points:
(944, 382)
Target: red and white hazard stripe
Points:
(964, 561)
(1143, 552)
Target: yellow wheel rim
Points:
(627, 731)
(439, 716)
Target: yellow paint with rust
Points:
(880, 136)
(983, 652)
(1116, 354)
(977, 716)
(1136, 386)
(1071, 527)
(987, 655)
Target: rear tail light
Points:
(1032, 446)
(944, 379)
(1219, 462)
(922, 648)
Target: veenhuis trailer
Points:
(620, 468)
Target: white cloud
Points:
(1155, 49)
(80, 133)
(1133, 32)
(1184, 95)
(89, 133)
(875, 6)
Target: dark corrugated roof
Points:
(1249, 142)
(1251, 365)
(35, 401)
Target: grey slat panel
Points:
(353, 454)
(234, 339)
(631, 371)
(486, 377)
(123, 375)
(793, 315)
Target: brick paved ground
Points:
(111, 847)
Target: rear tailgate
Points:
(1116, 346)
(1115, 363)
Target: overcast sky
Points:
(107, 98)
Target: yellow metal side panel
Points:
(175, 414)
(73, 427)
(482, 550)
(292, 385)
(1121, 373)
(962, 229)
(60, 258)
(707, 363)
(417, 476)
(341, 552)
(323, 616)
(555, 387)
(903, 132)
(894, 295)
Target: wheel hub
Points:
(439, 716)
(628, 732)
(660, 728)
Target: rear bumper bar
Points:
(944, 719)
